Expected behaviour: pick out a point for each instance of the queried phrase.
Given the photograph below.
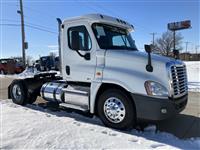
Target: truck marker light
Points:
(98, 73)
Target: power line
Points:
(29, 26)
(38, 28)
(39, 12)
(43, 28)
(9, 24)
(117, 15)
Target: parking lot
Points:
(184, 125)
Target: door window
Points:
(84, 40)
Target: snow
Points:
(193, 72)
(33, 127)
(29, 72)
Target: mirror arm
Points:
(149, 66)
(84, 56)
(79, 53)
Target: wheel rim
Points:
(114, 110)
(16, 91)
(2, 72)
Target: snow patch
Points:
(29, 72)
(193, 74)
(33, 127)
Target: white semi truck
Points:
(103, 73)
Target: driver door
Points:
(74, 66)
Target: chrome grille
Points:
(179, 80)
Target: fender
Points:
(95, 86)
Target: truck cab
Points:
(105, 74)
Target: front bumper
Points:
(149, 108)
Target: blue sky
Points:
(146, 16)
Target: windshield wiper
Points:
(124, 41)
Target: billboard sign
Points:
(179, 25)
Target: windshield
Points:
(111, 37)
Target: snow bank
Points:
(193, 72)
(33, 127)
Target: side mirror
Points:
(176, 54)
(75, 45)
(147, 48)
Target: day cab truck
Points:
(103, 73)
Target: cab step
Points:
(73, 106)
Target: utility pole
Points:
(153, 37)
(24, 45)
(186, 46)
(196, 48)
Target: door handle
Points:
(67, 68)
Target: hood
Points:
(138, 57)
(137, 61)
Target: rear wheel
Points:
(32, 98)
(18, 92)
(116, 109)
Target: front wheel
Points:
(18, 92)
(116, 109)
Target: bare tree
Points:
(164, 44)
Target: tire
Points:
(32, 98)
(18, 92)
(123, 116)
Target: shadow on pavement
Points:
(182, 126)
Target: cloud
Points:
(54, 51)
(52, 46)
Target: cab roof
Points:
(100, 18)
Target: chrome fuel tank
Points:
(52, 91)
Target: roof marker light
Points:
(101, 16)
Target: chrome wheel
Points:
(16, 91)
(114, 110)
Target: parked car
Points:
(10, 66)
(47, 63)
(19, 66)
(37, 65)
(7, 66)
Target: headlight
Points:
(155, 89)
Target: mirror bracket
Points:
(86, 56)
(149, 66)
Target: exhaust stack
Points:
(59, 43)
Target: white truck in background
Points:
(103, 73)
